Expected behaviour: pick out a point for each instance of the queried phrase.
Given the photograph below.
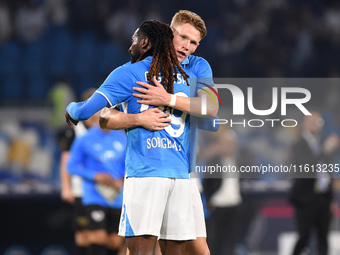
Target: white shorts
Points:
(198, 209)
(158, 206)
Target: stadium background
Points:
(52, 50)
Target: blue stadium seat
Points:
(110, 56)
(84, 54)
(33, 57)
(84, 81)
(37, 87)
(60, 49)
(9, 58)
(13, 88)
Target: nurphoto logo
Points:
(204, 97)
(244, 102)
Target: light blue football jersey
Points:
(201, 75)
(99, 151)
(151, 154)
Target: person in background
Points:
(312, 196)
(223, 196)
(98, 157)
(71, 185)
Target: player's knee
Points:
(146, 242)
(198, 250)
(206, 251)
(198, 247)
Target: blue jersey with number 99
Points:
(162, 153)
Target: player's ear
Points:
(145, 44)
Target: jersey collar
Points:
(185, 61)
(148, 58)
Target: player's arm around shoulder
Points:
(84, 110)
(158, 96)
(201, 67)
(114, 90)
(205, 85)
(152, 119)
(208, 105)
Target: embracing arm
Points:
(84, 110)
(152, 119)
(157, 95)
(193, 105)
(115, 119)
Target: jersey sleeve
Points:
(84, 110)
(202, 69)
(208, 124)
(117, 87)
(75, 164)
(204, 75)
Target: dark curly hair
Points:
(164, 59)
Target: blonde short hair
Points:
(183, 17)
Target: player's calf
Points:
(141, 245)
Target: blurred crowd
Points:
(246, 38)
(56, 49)
(45, 43)
(76, 43)
(276, 38)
